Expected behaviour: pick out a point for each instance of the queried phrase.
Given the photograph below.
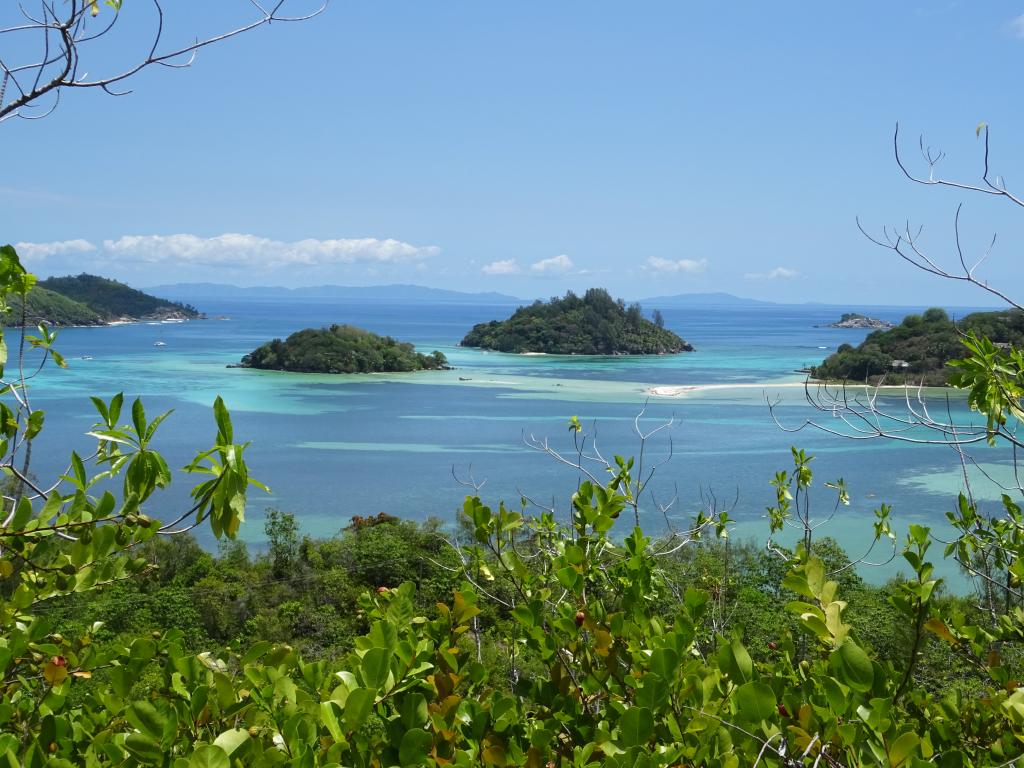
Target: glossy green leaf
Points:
(902, 748)
(147, 719)
(357, 707)
(144, 748)
(636, 727)
(376, 666)
(209, 756)
(853, 666)
(414, 747)
(756, 701)
(232, 740)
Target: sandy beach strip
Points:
(682, 390)
(685, 389)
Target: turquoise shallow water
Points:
(332, 447)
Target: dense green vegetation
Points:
(52, 308)
(114, 300)
(595, 324)
(926, 343)
(516, 639)
(306, 592)
(341, 349)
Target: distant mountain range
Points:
(197, 292)
(703, 300)
(397, 292)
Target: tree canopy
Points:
(920, 348)
(52, 308)
(341, 349)
(113, 299)
(594, 324)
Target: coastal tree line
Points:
(575, 641)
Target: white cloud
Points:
(60, 247)
(242, 250)
(691, 266)
(501, 267)
(779, 273)
(1016, 26)
(556, 265)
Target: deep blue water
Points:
(333, 447)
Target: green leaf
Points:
(414, 747)
(357, 707)
(144, 749)
(901, 749)
(115, 408)
(815, 570)
(209, 756)
(35, 424)
(329, 717)
(414, 710)
(740, 668)
(231, 741)
(376, 667)
(223, 418)
(853, 666)
(664, 662)
(101, 407)
(636, 727)
(21, 515)
(146, 718)
(139, 418)
(756, 701)
(837, 699)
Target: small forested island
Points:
(594, 324)
(91, 300)
(918, 350)
(856, 320)
(341, 349)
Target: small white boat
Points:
(159, 343)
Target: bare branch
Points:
(67, 40)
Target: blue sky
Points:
(532, 147)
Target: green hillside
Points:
(114, 300)
(51, 308)
(341, 349)
(595, 324)
(918, 349)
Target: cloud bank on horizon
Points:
(242, 258)
(230, 252)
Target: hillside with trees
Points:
(114, 300)
(51, 308)
(594, 324)
(919, 350)
(341, 349)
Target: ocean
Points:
(331, 447)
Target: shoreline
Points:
(115, 323)
(681, 390)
